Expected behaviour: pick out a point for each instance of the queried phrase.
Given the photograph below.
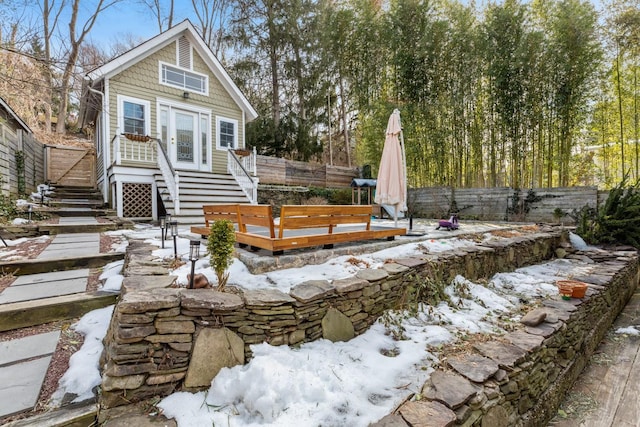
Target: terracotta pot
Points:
(572, 288)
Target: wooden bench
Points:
(216, 213)
(317, 222)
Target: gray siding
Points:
(14, 140)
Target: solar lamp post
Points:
(174, 234)
(194, 254)
(163, 225)
(168, 222)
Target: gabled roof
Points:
(15, 116)
(157, 43)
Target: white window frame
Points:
(235, 133)
(147, 112)
(161, 65)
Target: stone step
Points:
(84, 211)
(37, 312)
(76, 228)
(34, 266)
(74, 416)
(75, 203)
(94, 195)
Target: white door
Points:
(185, 146)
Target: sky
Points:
(324, 383)
(131, 18)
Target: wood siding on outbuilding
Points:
(13, 140)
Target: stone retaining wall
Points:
(160, 337)
(521, 378)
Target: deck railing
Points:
(242, 168)
(127, 150)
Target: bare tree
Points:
(50, 15)
(75, 42)
(211, 15)
(158, 10)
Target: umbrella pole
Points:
(404, 162)
(395, 215)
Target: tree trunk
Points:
(620, 111)
(345, 124)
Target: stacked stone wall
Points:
(521, 378)
(162, 339)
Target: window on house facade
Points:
(134, 115)
(204, 132)
(227, 133)
(134, 118)
(164, 127)
(183, 79)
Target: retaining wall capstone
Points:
(162, 339)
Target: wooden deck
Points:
(607, 394)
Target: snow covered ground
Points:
(324, 383)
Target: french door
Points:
(188, 136)
(185, 146)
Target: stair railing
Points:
(238, 169)
(170, 175)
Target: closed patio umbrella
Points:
(391, 189)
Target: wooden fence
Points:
(16, 144)
(504, 203)
(275, 170)
(71, 166)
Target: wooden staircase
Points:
(198, 189)
(77, 201)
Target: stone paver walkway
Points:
(23, 365)
(24, 362)
(73, 244)
(45, 285)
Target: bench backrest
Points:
(318, 216)
(259, 215)
(220, 212)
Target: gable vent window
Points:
(183, 79)
(184, 53)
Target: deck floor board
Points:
(609, 387)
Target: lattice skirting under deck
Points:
(137, 200)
